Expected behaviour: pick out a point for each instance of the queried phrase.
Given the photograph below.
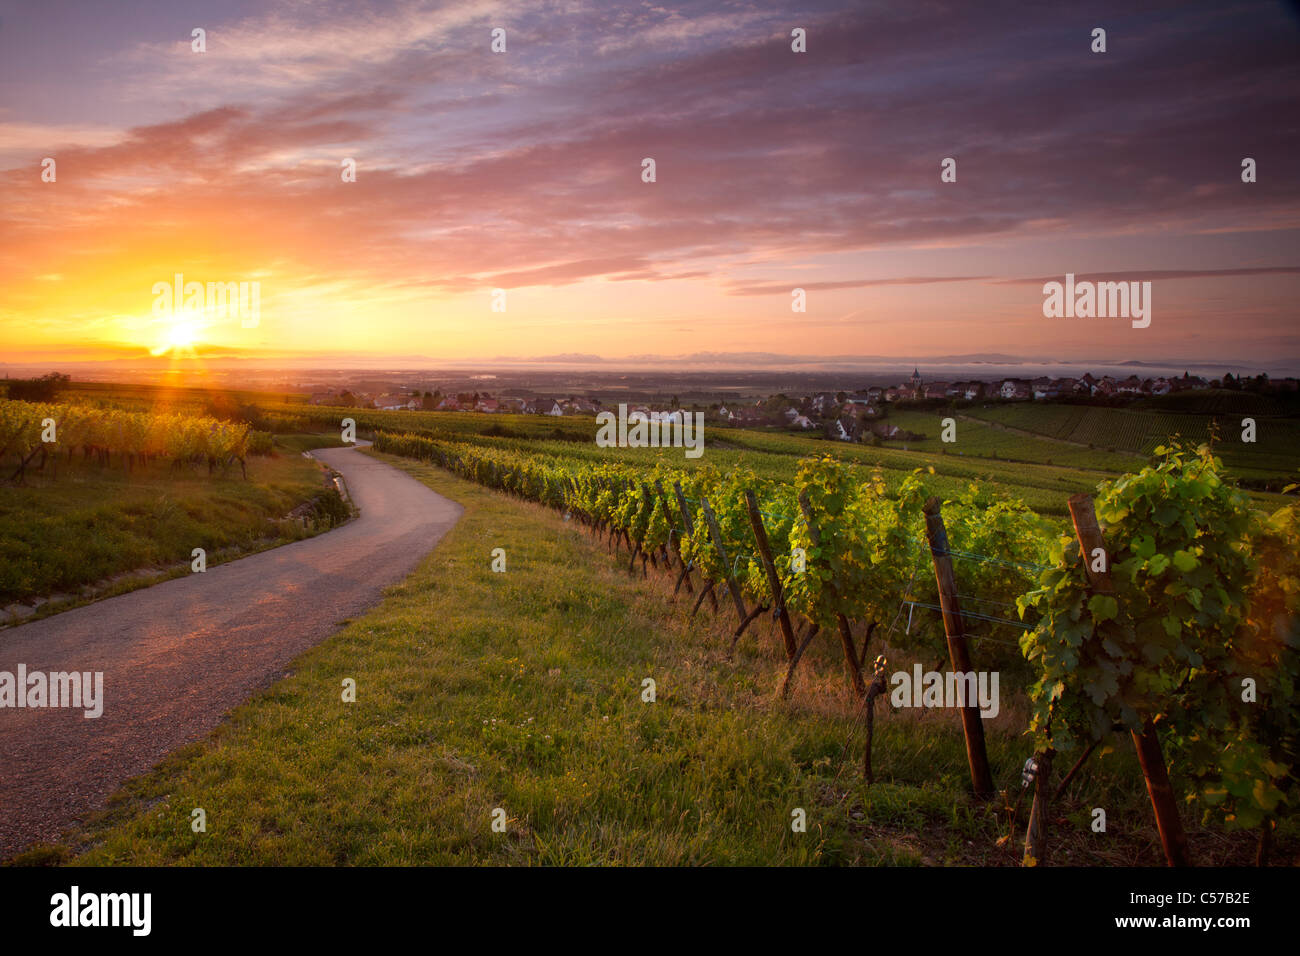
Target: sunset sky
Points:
(522, 171)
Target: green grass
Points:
(1275, 451)
(80, 524)
(978, 439)
(522, 691)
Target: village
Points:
(858, 415)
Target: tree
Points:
(43, 389)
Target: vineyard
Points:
(31, 431)
(1179, 625)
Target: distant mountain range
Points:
(971, 365)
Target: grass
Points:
(83, 525)
(1276, 448)
(523, 691)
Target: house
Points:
(1016, 389)
(1062, 386)
(725, 414)
(893, 394)
(791, 413)
(886, 430)
(448, 404)
(845, 428)
(935, 390)
(802, 421)
(974, 390)
(1160, 386)
(1130, 386)
(1105, 386)
(875, 394)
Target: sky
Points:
(523, 171)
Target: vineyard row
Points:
(1181, 626)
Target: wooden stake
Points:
(1146, 742)
(876, 689)
(1060, 789)
(690, 529)
(773, 579)
(973, 725)
(794, 661)
(668, 516)
(716, 533)
(1036, 834)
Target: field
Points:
(523, 691)
(1276, 448)
(1042, 470)
(79, 525)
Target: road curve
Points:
(176, 657)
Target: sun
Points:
(181, 334)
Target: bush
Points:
(260, 443)
(43, 389)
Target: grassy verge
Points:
(84, 531)
(523, 691)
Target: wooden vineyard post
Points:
(668, 516)
(773, 579)
(650, 507)
(972, 723)
(689, 524)
(846, 635)
(876, 689)
(716, 533)
(1147, 743)
(1036, 834)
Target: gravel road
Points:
(176, 657)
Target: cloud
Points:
(523, 170)
(1150, 275)
(773, 288)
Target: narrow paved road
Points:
(178, 656)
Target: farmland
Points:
(535, 709)
(469, 708)
(78, 526)
(1041, 467)
(1276, 447)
